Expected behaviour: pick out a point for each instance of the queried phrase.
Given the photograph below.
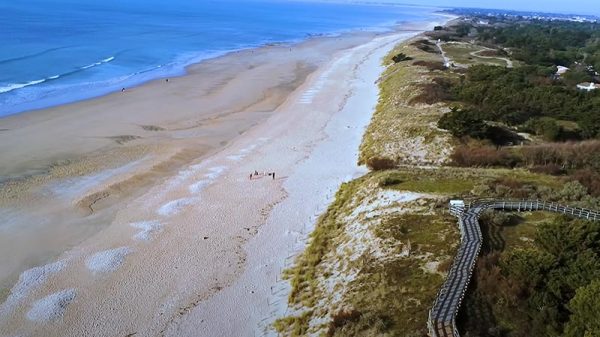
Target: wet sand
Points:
(148, 221)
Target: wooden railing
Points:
(442, 316)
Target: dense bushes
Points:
(401, 57)
(434, 92)
(590, 179)
(585, 309)
(463, 123)
(426, 46)
(569, 156)
(466, 123)
(532, 96)
(542, 289)
(579, 160)
(431, 65)
(553, 157)
(548, 42)
(483, 156)
(380, 163)
(524, 94)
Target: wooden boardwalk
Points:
(442, 315)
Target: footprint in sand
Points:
(174, 207)
(51, 307)
(244, 152)
(215, 172)
(196, 187)
(108, 260)
(122, 139)
(152, 128)
(236, 157)
(148, 228)
(30, 280)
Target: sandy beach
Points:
(81, 162)
(136, 214)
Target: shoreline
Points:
(186, 68)
(231, 151)
(195, 68)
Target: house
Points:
(561, 70)
(588, 86)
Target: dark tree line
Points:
(549, 289)
(525, 96)
(548, 43)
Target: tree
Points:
(401, 57)
(585, 312)
(463, 123)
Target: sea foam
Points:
(14, 86)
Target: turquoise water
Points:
(59, 51)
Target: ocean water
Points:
(59, 51)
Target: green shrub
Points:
(401, 57)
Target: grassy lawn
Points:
(461, 53)
(521, 234)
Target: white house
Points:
(561, 70)
(588, 86)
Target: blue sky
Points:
(552, 6)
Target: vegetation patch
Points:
(365, 269)
(531, 289)
(403, 128)
(469, 54)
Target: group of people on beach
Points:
(256, 174)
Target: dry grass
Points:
(372, 264)
(400, 131)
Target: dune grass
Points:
(388, 295)
(403, 132)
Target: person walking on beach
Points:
(273, 175)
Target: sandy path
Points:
(509, 63)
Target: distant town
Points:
(522, 15)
